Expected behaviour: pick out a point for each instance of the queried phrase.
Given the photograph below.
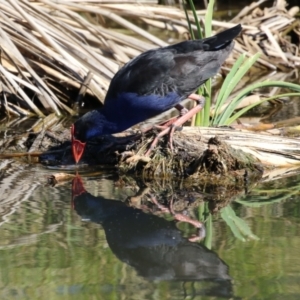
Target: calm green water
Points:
(53, 248)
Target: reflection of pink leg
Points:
(182, 218)
(181, 120)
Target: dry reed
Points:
(53, 49)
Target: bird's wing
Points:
(159, 72)
(167, 70)
(144, 74)
(179, 68)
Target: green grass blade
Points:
(188, 20)
(199, 116)
(226, 215)
(238, 226)
(245, 109)
(239, 74)
(251, 88)
(202, 118)
(207, 95)
(208, 18)
(243, 227)
(221, 99)
(199, 31)
(209, 232)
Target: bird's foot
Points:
(177, 124)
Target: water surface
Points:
(92, 248)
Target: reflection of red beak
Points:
(77, 146)
(77, 188)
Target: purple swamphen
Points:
(152, 83)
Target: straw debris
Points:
(272, 31)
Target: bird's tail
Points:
(222, 39)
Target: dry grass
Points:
(268, 31)
(53, 50)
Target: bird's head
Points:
(89, 126)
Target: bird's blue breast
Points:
(129, 109)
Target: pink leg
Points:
(181, 120)
(195, 97)
(182, 111)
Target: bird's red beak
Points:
(77, 146)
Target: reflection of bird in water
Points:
(152, 83)
(150, 244)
